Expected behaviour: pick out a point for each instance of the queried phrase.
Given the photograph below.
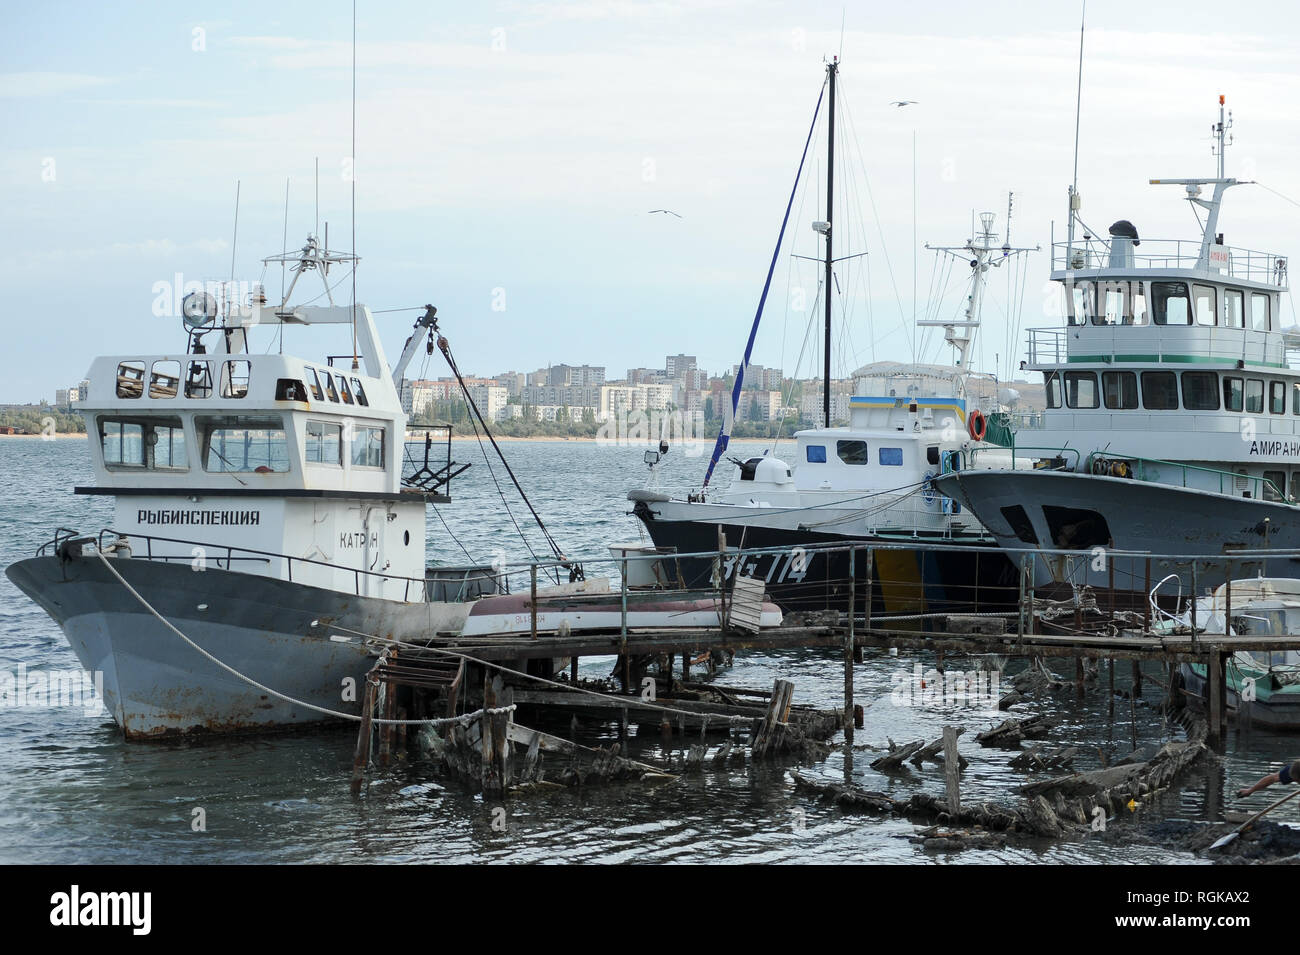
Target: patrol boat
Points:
(259, 515)
(1173, 412)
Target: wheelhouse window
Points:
(1140, 316)
(235, 376)
(815, 454)
(1159, 390)
(1081, 389)
(314, 384)
(243, 443)
(852, 452)
(1234, 315)
(165, 379)
(1203, 304)
(1170, 304)
(198, 380)
(324, 444)
(1233, 394)
(1076, 303)
(328, 380)
(1119, 390)
(891, 457)
(1277, 397)
(1259, 312)
(1110, 305)
(344, 393)
(1200, 391)
(130, 379)
(360, 392)
(1052, 385)
(1254, 396)
(144, 443)
(367, 447)
(1295, 397)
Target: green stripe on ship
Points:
(1168, 359)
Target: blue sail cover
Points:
(724, 434)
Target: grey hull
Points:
(297, 640)
(1164, 520)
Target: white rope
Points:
(448, 721)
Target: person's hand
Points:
(1243, 792)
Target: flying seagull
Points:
(903, 102)
(668, 211)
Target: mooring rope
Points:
(463, 720)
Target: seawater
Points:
(72, 791)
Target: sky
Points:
(508, 156)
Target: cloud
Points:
(24, 85)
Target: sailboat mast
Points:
(832, 69)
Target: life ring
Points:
(977, 425)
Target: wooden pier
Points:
(451, 679)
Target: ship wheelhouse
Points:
(265, 464)
(1172, 364)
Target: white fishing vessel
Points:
(269, 533)
(1173, 408)
(258, 510)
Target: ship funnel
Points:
(1123, 238)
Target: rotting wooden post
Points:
(532, 600)
(1146, 600)
(866, 608)
(1137, 677)
(1110, 690)
(1194, 602)
(849, 641)
(771, 731)
(1019, 616)
(1133, 720)
(362, 756)
(494, 741)
(386, 729)
(1214, 673)
(952, 771)
(622, 733)
(573, 669)
(1224, 658)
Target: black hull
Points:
(904, 581)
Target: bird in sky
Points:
(903, 102)
(668, 211)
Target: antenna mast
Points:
(1078, 108)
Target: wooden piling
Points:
(771, 730)
(952, 770)
(362, 757)
(1215, 692)
(848, 647)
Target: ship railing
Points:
(1047, 346)
(1168, 254)
(1264, 489)
(859, 581)
(231, 557)
(1040, 457)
